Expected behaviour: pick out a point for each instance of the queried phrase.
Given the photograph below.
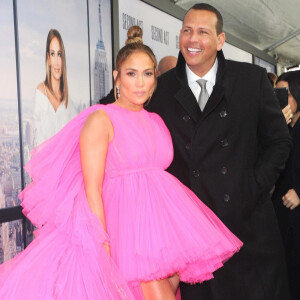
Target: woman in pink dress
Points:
(104, 172)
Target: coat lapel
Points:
(184, 95)
(187, 100)
(216, 96)
(223, 88)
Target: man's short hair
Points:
(205, 6)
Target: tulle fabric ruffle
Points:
(55, 170)
(185, 236)
(67, 259)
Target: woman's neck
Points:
(56, 88)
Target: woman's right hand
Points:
(287, 114)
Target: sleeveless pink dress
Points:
(156, 225)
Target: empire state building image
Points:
(101, 76)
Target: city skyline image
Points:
(35, 19)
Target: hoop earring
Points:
(118, 91)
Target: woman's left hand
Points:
(291, 199)
(287, 112)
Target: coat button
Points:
(196, 173)
(186, 118)
(223, 114)
(224, 143)
(188, 146)
(224, 170)
(226, 198)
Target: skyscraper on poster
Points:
(101, 76)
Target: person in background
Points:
(287, 189)
(290, 109)
(52, 107)
(230, 144)
(272, 78)
(287, 109)
(165, 64)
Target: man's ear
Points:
(221, 40)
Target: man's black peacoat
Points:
(230, 155)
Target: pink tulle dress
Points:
(156, 225)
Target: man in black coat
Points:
(230, 154)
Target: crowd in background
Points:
(287, 189)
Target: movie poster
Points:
(100, 48)
(76, 63)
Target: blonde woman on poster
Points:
(53, 108)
